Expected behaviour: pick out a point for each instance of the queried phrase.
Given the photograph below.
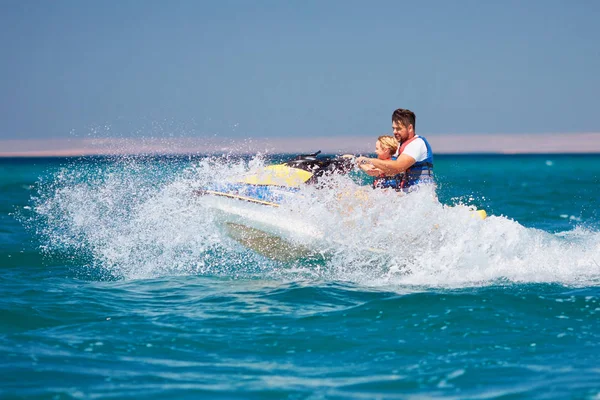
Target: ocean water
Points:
(117, 282)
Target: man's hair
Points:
(405, 117)
(388, 142)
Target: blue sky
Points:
(296, 68)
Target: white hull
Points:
(268, 230)
(276, 232)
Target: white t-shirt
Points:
(416, 149)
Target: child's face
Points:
(382, 154)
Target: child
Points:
(385, 148)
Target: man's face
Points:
(401, 132)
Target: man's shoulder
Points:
(417, 149)
(417, 141)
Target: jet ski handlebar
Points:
(305, 156)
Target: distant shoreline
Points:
(200, 155)
(450, 144)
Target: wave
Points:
(136, 218)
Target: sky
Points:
(76, 71)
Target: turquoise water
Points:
(116, 283)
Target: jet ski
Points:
(271, 185)
(244, 206)
(247, 207)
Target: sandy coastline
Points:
(572, 143)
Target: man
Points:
(414, 156)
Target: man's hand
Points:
(365, 164)
(363, 160)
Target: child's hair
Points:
(388, 142)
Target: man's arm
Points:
(390, 167)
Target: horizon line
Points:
(557, 143)
(149, 155)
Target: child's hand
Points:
(374, 171)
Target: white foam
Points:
(133, 227)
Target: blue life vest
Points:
(421, 171)
(384, 182)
